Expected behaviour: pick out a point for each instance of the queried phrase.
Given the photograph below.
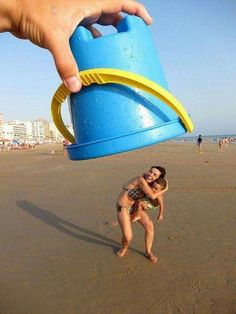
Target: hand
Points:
(50, 24)
(145, 206)
(160, 218)
(166, 189)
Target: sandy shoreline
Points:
(57, 245)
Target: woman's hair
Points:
(161, 169)
(161, 182)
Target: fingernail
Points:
(73, 84)
(151, 20)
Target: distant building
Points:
(39, 130)
(46, 126)
(7, 132)
(47, 130)
(19, 130)
(55, 135)
(29, 130)
(1, 118)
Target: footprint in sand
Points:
(173, 237)
(107, 226)
(229, 283)
(132, 270)
(190, 284)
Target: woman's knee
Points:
(128, 238)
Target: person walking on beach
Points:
(64, 144)
(199, 143)
(220, 144)
(132, 192)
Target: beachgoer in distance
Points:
(64, 144)
(49, 24)
(199, 143)
(146, 203)
(220, 144)
(131, 193)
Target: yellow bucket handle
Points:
(105, 76)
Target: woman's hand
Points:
(167, 186)
(160, 218)
(50, 24)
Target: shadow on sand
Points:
(65, 226)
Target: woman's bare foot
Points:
(151, 257)
(122, 252)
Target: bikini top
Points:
(135, 194)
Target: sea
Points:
(205, 138)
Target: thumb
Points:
(65, 63)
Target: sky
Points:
(196, 43)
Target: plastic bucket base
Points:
(126, 142)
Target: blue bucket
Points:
(113, 118)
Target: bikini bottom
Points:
(128, 208)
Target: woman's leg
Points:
(147, 224)
(125, 226)
(137, 209)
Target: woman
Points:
(131, 192)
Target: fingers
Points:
(135, 8)
(95, 32)
(65, 63)
(115, 19)
(58, 44)
(110, 19)
(127, 6)
(18, 35)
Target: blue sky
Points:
(196, 42)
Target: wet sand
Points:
(57, 242)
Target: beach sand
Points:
(58, 242)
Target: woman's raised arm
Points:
(148, 190)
